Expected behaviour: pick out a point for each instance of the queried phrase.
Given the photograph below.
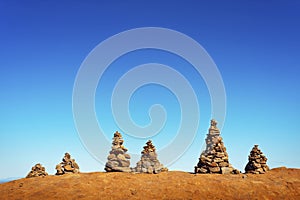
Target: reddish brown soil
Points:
(279, 183)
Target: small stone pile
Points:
(215, 158)
(37, 170)
(67, 166)
(118, 159)
(257, 162)
(149, 162)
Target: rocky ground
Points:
(279, 183)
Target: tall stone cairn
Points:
(149, 162)
(118, 159)
(67, 166)
(214, 159)
(257, 162)
(37, 170)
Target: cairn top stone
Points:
(213, 129)
(66, 158)
(118, 141)
(117, 134)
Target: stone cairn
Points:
(257, 162)
(67, 166)
(37, 170)
(118, 159)
(149, 162)
(215, 158)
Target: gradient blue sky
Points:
(255, 45)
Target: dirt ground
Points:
(279, 183)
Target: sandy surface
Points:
(279, 183)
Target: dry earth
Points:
(279, 183)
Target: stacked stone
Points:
(67, 166)
(257, 162)
(37, 170)
(215, 158)
(118, 159)
(149, 162)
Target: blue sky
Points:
(255, 45)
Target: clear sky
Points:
(254, 44)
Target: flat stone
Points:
(112, 164)
(220, 155)
(121, 157)
(223, 164)
(117, 151)
(214, 164)
(127, 156)
(214, 169)
(111, 157)
(68, 168)
(146, 164)
(218, 160)
(125, 163)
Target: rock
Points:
(111, 157)
(257, 165)
(218, 160)
(124, 163)
(235, 171)
(150, 170)
(202, 170)
(226, 170)
(214, 169)
(120, 169)
(149, 162)
(143, 170)
(127, 156)
(121, 157)
(146, 164)
(67, 165)
(204, 158)
(118, 160)
(112, 164)
(220, 154)
(257, 162)
(37, 170)
(59, 170)
(68, 168)
(213, 164)
(214, 159)
(224, 164)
